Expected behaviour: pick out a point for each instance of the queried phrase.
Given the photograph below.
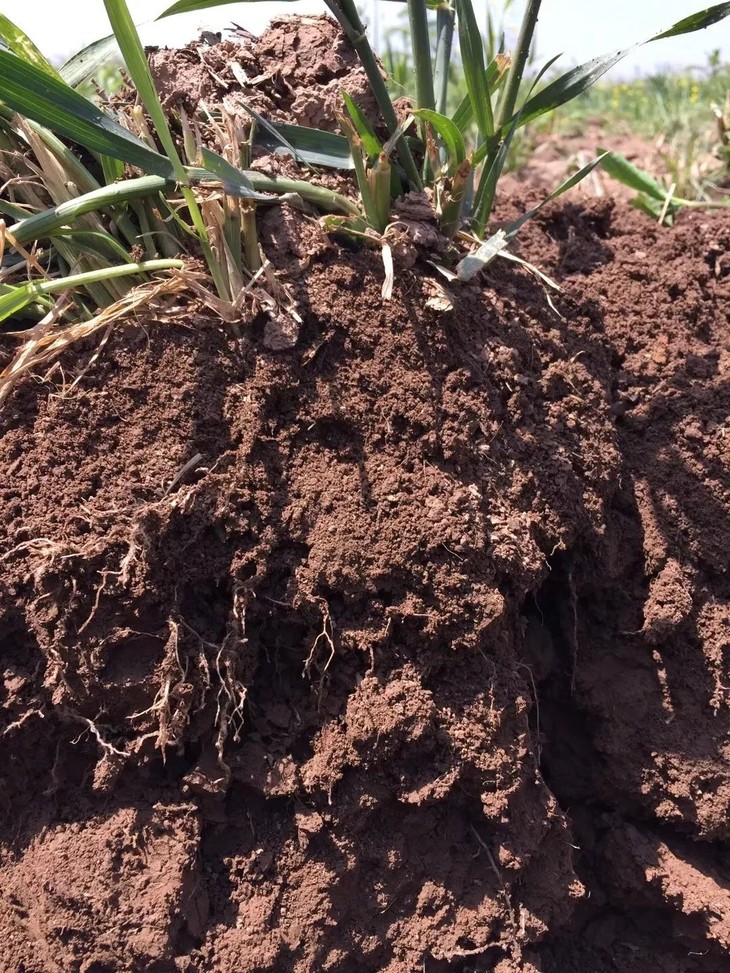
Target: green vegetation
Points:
(683, 113)
(95, 202)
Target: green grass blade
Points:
(699, 21)
(346, 14)
(87, 62)
(513, 228)
(450, 135)
(308, 145)
(470, 265)
(445, 21)
(494, 76)
(421, 50)
(95, 243)
(34, 94)
(235, 181)
(370, 141)
(21, 45)
(484, 199)
(25, 294)
(278, 137)
(319, 196)
(519, 60)
(618, 167)
(578, 79)
(42, 225)
(139, 71)
(361, 173)
(472, 56)
(569, 86)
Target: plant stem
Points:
(325, 199)
(444, 41)
(379, 179)
(519, 60)
(421, 46)
(346, 14)
(497, 156)
(42, 225)
(251, 250)
(12, 302)
(451, 213)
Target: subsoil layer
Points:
(402, 649)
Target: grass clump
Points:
(94, 203)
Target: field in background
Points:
(674, 123)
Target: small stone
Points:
(281, 333)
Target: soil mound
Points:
(431, 635)
(405, 648)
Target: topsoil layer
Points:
(404, 649)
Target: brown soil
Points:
(552, 158)
(403, 649)
(295, 72)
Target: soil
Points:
(294, 72)
(404, 648)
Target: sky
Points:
(581, 29)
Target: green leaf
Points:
(448, 132)
(577, 177)
(94, 243)
(87, 62)
(235, 181)
(578, 79)
(20, 297)
(652, 207)
(135, 60)
(698, 21)
(308, 145)
(45, 224)
(618, 167)
(472, 263)
(494, 75)
(472, 56)
(34, 94)
(370, 141)
(507, 131)
(20, 44)
(569, 86)
(487, 188)
(187, 6)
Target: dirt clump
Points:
(295, 71)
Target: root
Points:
(326, 637)
(99, 591)
(16, 725)
(212, 663)
(171, 722)
(232, 693)
(93, 728)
